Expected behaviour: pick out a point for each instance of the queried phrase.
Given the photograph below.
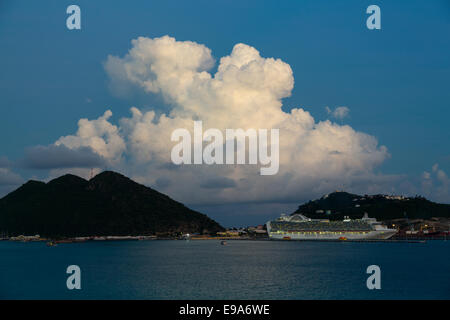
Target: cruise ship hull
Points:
(372, 235)
(332, 235)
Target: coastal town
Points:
(436, 228)
(249, 233)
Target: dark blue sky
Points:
(394, 80)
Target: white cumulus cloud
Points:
(338, 113)
(245, 92)
(436, 185)
(100, 135)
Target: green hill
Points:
(336, 205)
(108, 204)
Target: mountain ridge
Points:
(108, 204)
(338, 204)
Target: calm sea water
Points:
(240, 270)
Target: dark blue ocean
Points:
(240, 270)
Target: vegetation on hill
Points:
(108, 204)
(336, 205)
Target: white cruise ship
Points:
(299, 227)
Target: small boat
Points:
(51, 244)
(186, 237)
(342, 238)
(223, 242)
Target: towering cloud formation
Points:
(245, 92)
(100, 135)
